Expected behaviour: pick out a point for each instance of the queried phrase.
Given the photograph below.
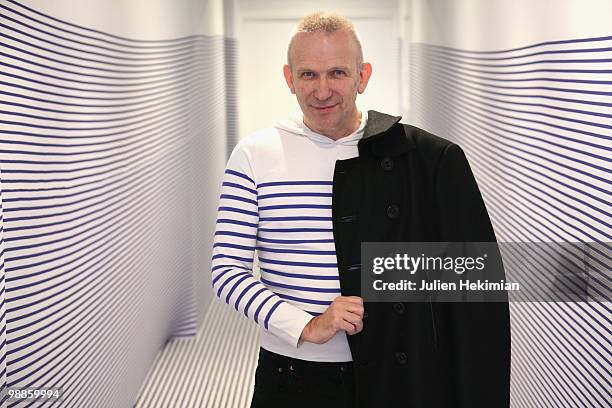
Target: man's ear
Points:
(364, 76)
(289, 78)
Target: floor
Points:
(213, 370)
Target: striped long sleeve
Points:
(234, 250)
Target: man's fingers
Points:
(359, 326)
(352, 318)
(353, 304)
(346, 326)
(351, 309)
(355, 321)
(349, 299)
(356, 310)
(357, 329)
(345, 313)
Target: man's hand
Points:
(345, 313)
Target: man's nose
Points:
(322, 90)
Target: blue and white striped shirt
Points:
(276, 201)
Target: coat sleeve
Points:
(479, 332)
(235, 239)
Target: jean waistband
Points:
(268, 357)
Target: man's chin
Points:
(320, 125)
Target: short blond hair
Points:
(326, 22)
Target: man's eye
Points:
(339, 72)
(307, 75)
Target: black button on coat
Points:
(393, 211)
(429, 355)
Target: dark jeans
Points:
(287, 382)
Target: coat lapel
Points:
(377, 139)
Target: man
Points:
(305, 194)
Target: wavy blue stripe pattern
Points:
(103, 149)
(535, 124)
(3, 344)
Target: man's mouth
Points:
(324, 108)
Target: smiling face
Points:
(325, 74)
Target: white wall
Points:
(141, 19)
(502, 24)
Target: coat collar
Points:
(378, 139)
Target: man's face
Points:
(325, 78)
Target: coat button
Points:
(399, 308)
(401, 357)
(387, 164)
(348, 218)
(393, 211)
(353, 268)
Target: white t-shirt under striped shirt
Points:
(276, 199)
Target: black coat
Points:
(409, 185)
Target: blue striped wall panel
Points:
(231, 92)
(107, 146)
(2, 298)
(535, 123)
